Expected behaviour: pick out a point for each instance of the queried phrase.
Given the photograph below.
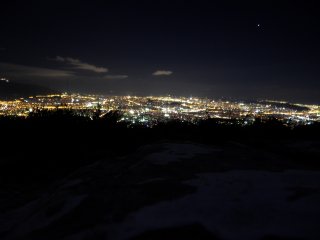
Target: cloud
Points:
(115, 77)
(162, 73)
(27, 71)
(76, 63)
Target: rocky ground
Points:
(178, 190)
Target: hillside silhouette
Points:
(111, 169)
(14, 90)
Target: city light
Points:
(151, 110)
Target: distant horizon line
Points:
(225, 99)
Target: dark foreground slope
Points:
(71, 178)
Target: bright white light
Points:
(4, 79)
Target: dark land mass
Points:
(14, 90)
(67, 177)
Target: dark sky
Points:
(238, 49)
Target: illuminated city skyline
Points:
(151, 110)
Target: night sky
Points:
(240, 49)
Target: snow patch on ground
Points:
(174, 152)
(35, 215)
(238, 205)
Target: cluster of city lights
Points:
(151, 110)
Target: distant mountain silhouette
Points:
(12, 90)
